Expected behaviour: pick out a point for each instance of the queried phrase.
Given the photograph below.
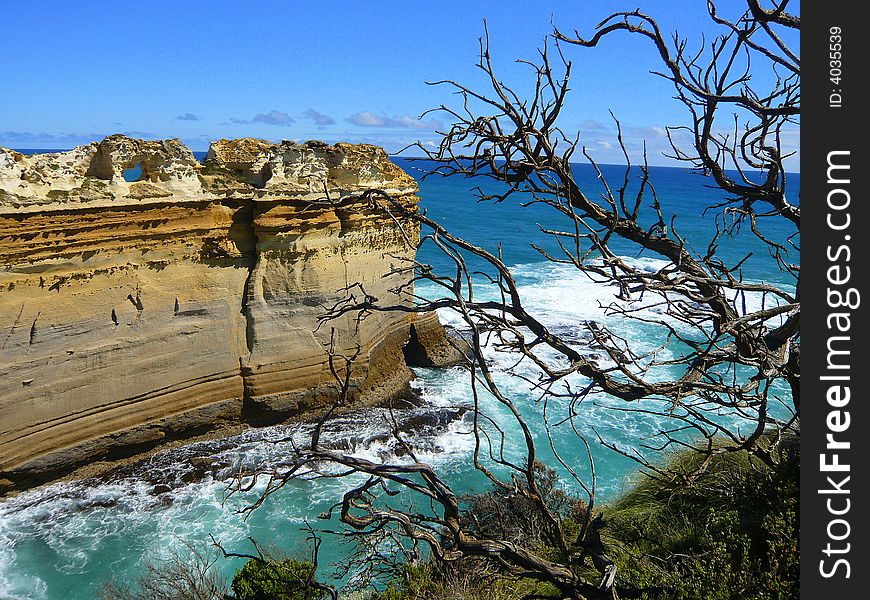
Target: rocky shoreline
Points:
(186, 305)
(195, 455)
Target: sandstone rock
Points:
(132, 313)
(245, 158)
(93, 175)
(163, 161)
(430, 345)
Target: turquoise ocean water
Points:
(63, 541)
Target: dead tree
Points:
(738, 360)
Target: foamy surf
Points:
(180, 495)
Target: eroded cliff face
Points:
(136, 312)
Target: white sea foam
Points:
(76, 522)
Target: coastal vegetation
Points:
(731, 533)
(286, 579)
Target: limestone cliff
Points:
(136, 312)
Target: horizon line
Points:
(394, 155)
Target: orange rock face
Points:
(136, 312)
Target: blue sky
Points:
(330, 70)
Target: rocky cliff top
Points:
(93, 174)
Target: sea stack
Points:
(136, 312)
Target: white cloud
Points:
(274, 117)
(369, 119)
(188, 117)
(319, 119)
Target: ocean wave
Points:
(565, 299)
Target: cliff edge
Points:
(135, 312)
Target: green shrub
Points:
(730, 534)
(417, 581)
(465, 579)
(286, 579)
(511, 516)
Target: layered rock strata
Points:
(134, 312)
